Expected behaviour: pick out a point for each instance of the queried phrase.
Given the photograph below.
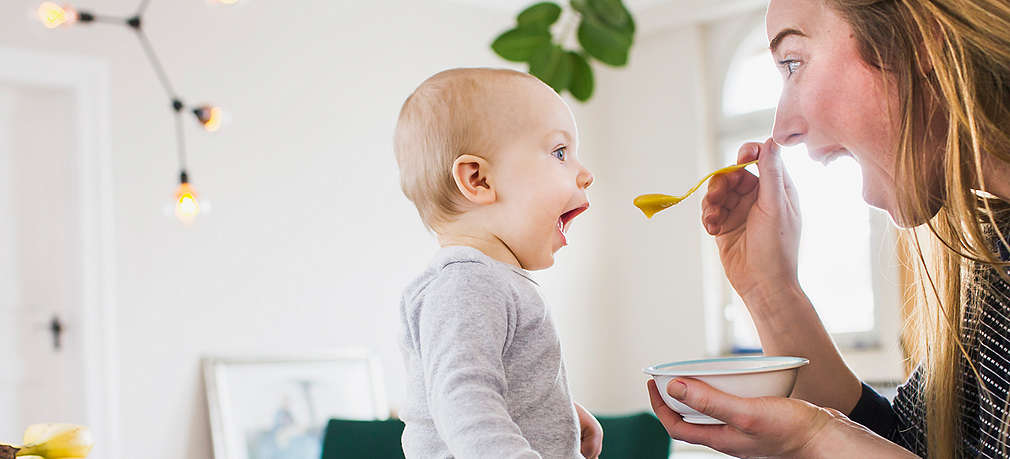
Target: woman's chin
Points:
(900, 220)
(880, 202)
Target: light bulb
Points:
(210, 117)
(187, 207)
(53, 15)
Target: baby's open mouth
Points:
(565, 221)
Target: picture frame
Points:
(272, 407)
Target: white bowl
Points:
(757, 376)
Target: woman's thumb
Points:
(707, 400)
(772, 174)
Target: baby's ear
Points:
(471, 176)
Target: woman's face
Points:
(831, 99)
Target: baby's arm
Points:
(462, 329)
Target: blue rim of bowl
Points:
(665, 369)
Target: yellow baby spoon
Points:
(650, 204)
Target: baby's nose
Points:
(585, 178)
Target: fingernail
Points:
(677, 389)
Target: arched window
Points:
(838, 265)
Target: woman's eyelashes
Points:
(560, 153)
(790, 65)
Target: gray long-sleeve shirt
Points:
(484, 371)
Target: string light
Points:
(187, 206)
(210, 117)
(53, 15)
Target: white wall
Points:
(8, 270)
(651, 282)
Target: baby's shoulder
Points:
(458, 273)
(471, 277)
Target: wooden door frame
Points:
(87, 80)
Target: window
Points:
(837, 268)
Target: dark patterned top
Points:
(904, 420)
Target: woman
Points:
(918, 92)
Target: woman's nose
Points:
(585, 178)
(790, 128)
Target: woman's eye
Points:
(791, 65)
(560, 153)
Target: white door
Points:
(41, 247)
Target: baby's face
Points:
(539, 181)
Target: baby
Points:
(488, 157)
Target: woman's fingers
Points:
(791, 193)
(666, 415)
(730, 196)
(748, 152)
(674, 423)
(703, 398)
(712, 218)
(725, 209)
(755, 427)
(720, 437)
(773, 177)
(747, 184)
(737, 216)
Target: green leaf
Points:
(582, 83)
(613, 14)
(540, 15)
(518, 44)
(581, 6)
(552, 66)
(608, 45)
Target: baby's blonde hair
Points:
(447, 116)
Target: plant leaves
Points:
(519, 44)
(608, 45)
(552, 66)
(539, 16)
(613, 14)
(582, 83)
(581, 6)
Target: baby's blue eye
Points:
(560, 153)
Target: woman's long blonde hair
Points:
(949, 61)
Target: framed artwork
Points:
(278, 407)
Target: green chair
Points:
(346, 439)
(638, 436)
